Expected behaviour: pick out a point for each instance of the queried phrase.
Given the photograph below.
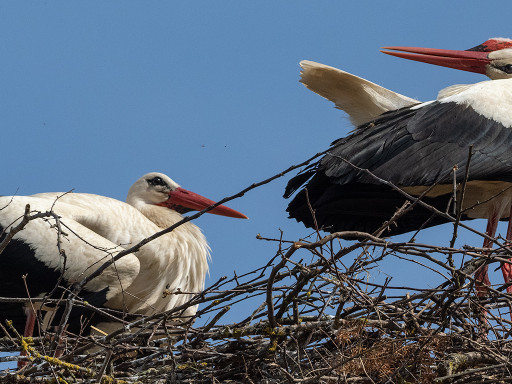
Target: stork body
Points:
(416, 147)
(95, 228)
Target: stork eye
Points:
(157, 181)
(506, 68)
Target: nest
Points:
(321, 310)
(318, 317)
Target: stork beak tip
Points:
(235, 214)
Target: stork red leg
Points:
(506, 268)
(481, 276)
(28, 332)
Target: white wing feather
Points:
(361, 99)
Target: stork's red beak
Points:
(182, 201)
(471, 61)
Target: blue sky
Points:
(96, 94)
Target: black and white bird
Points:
(364, 100)
(88, 231)
(415, 148)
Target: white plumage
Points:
(361, 99)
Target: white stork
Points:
(416, 147)
(93, 229)
(364, 101)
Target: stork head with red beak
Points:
(160, 190)
(492, 58)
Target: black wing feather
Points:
(407, 147)
(18, 260)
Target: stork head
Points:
(158, 189)
(492, 58)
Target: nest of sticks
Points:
(323, 309)
(316, 315)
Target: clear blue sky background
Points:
(95, 94)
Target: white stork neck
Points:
(492, 99)
(161, 216)
(177, 260)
